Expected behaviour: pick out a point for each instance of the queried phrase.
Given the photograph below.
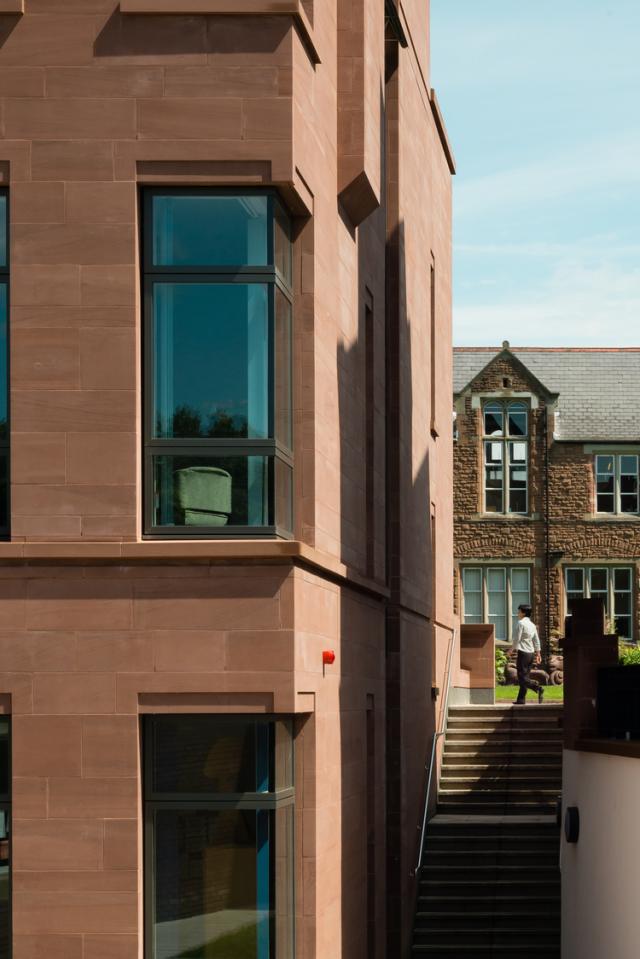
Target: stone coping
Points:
(630, 749)
(11, 6)
(221, 551)
(293, 8)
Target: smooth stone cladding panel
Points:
(98, 626)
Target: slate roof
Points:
(599, 389)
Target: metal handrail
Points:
(434, 750)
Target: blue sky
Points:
(542, 105)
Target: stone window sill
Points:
(11, 6)
(611, 518)
(505, 518)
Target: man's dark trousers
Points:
(524, 663)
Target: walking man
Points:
(527, 646)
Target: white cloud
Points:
(577, 306)
(601, 165)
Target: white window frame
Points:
(506, 441)
(510, 605)
(586, 571)
(617, 492)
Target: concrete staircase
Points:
(490, 883)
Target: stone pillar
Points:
(585, 651)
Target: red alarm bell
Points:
(328, 657)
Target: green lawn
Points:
(508, 694)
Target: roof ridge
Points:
(548, 349)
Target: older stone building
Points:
(225, 479)
(546, 501)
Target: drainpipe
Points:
(547, 563)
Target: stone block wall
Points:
(574, 533)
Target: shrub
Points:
(501, 662)
(628, 654)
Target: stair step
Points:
(444, 936)
(500, 920)
(523, 950)
(504, 776)
(465, 808)
(526, 858)
(502, 869)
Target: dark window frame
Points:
(617, 493)
(272, 447)
(6, 807)
(152, 801)
(505, 439)
(5, 442)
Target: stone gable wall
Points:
(576, 535)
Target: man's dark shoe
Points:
(540, 694)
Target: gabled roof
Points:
(599, 389)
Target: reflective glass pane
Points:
(473, 607)
(629, 464)
(282, 226)
(575, 580)
(199, 230)
(598, 579)
(212, 491)
(518, 501)
(213, 883)
(629, 503)
(520, 580)
(628, 483)
(472, 579)
(496, 579)
(605, 483)
(4, 384)
(284, 399)
(211, 360)
(606, 503)
(3, 230)
(623, 627)
(493, 501)
(518, 452)
(5, 888)
(284, 495)
(493, 452)
(518, 477)
(500, 626)
(517, 420)
(210, 754)
(493, 421)
(4, 492)
(605, 464)
(622, 603)
(622, 579)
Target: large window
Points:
(505, 442)
(218, 400)
(4, 363)
(5, 855)
(612, 584)
(219, 837)
(492, 594)
(617, 483)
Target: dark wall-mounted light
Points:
(572, 824)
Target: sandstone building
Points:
(226, 459)
(547, 509)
